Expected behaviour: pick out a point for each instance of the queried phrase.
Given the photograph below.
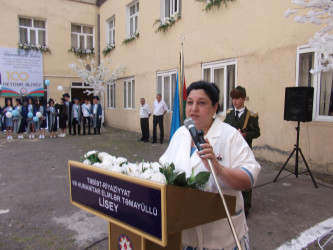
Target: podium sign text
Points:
(138, 206)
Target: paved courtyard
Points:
(35, 212)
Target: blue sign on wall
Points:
(136, 205)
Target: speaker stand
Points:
(297, 149)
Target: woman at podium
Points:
(232, 159)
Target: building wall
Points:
(256, 33)
(59, 15)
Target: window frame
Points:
(36, 29)
(172, 12)
(111, 102)
(126, 105)
(136, 5)
(85, 35)
(164, 74)
(111, 30)
(219, 65)
(316, 84)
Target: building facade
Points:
(247, 43)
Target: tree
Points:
(96, 76)
(320, 12)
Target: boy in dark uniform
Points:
(69, 111)
(246, 122)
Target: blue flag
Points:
(175, 124)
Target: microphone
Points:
(197, 135)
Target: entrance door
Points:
(78, 89)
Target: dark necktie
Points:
(236, 117)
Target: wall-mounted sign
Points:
(21, 72)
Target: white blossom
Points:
(156, 166)
(97, 164)
(102, 155)
(87, 161)
(146, 175)
(90, 153)
(158, 177)
(120, 160)
(320, 13)
(97, 76)
(107, 165)
(117, 169)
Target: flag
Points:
(184, 99)
(175, 124)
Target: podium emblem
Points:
(124, 243)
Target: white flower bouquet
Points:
(151, 171)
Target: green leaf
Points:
(192, 177)
(202, 178)
(180, 180)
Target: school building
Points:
(247, 43)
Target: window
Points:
(82, 36)
(111, 95)
(322, 83)
(129, 93)
(169, 8)
(111, 31)
(223, 74)
(32, 31)
(166, 86)
(133, 19)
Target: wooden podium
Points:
(142, 214)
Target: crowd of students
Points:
(29, 116)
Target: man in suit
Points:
(246, 122)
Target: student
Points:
(41, 124)
(86, 113)
(62, 117)
(76, 116)
(246, 122)
(69, 106)
(30, 122)
(19, 120)
(8, 122)
(52, 114)
(96, 115)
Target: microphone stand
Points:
(231, 224)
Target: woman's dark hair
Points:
(210, 89)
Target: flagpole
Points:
(181, 79)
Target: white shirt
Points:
(86, 109)
(241, 111)
(227, 143)
(144, 111)
(160, 107)
(76, 110)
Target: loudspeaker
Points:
(298, 104)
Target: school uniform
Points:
(62, 115)
(8, 122)
(76, 117)
(30, 108)
(97, 117)
(42, 120)
(86, 114)
(19, 121)
(69, 106)
(52, 115)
